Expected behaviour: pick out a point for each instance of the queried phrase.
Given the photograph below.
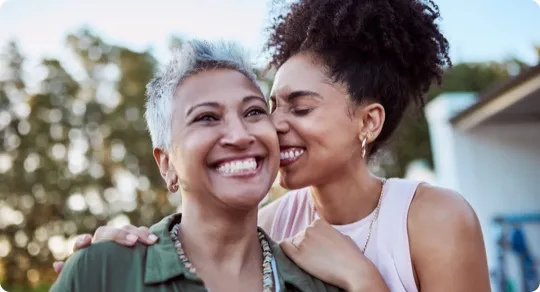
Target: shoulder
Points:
(445, 237)
(110, 253)
(436, 210)
(109, 258)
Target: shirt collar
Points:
(161, 266)
(288, 272)
(162, 263)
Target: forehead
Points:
(300, 72)
(218, 85)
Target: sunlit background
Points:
(75, 154)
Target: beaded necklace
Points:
(268, 281)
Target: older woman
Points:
(347, 72)
(218, 146)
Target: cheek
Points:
(315, 130)
(192, 150)
(329, 139)
(267, 135)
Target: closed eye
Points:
(301, 111)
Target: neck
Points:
(348, 196)
(214, 237)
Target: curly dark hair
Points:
(387, 51)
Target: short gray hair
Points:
(193, 57)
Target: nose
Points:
(237, 134)
(280, 123)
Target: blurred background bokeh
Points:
(75, 154)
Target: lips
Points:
(289, 155)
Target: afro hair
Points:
(386, 51)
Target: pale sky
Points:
(478, 30)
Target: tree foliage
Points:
(78, 154)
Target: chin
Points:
(293, 182)
(243, 200)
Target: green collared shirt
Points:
(107, 266)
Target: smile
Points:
(289, 155)
(239, 167)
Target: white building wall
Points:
(495, 167)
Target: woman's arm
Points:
(447, 247)
(129, 234)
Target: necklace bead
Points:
(268, 276)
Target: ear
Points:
(165, 167)
(370, 121)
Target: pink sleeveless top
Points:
(388, 247)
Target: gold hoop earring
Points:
(364, 144)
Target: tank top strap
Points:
(398, 196)
(292, 214)
(393, 234)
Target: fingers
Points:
(83, 241)
(319, 222)
(293, 244)
(57, 266)
(289, 248)
(143, 234)
(120, 236)
(127, 236)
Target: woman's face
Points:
(225, 148)
(318, 128)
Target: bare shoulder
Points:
(446, 242)
(435, 207)
(267, 214)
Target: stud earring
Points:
(369, 135)
(173, 188)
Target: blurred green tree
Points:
(78, 154)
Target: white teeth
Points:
(238, 166)
(291, 154)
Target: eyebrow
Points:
(215, 104)
(202, 104)
(297, 94)
(253, 97)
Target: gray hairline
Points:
(194, 57)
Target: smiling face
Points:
(318, 138)
(224, 146)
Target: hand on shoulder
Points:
(327, 254)
(128, 235)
